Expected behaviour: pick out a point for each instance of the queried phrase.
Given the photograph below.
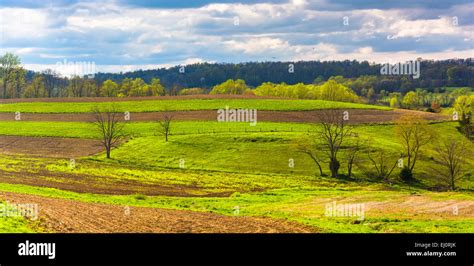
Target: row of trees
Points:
(16, 82)
(421, 99)
(361, 77)
(434, 74)
(13, 79)
(335, 90)
(334, 137)
(330, 90)
(47, 84)
(462, 103)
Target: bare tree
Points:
(311, 150)
(109, 125)
(165, 124)
(333, 132)
(413, 133)
(382, 162)
(328, 138)
(352, 153)
(450, 161)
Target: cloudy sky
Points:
(123, 35)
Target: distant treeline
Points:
(273, 78)
(434, 74)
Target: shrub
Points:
(235, 195)
(406, 174)
(192, 91)
(394, 103)
(249, 92)
(230, 87)
(139, 197)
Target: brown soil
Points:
(49, 146)
(424, 205)
(68, 216)
(356, 116)
(100, 184)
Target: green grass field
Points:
(234, 147)
(304, 204)
(252, 167)
(139, 129)
(248, 165)
(183, 105)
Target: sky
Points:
(125, 35)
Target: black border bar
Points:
(222, 249)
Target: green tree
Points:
(266, 89)
(410, 100)
(464, 105)
(90, 88)
(138, 88)
(371, 95)
(319, 80)
(109, 89)
(125, 87)
(17, 83)
(394, 103)
(156, 88)
(332, 91)
(230, 87)
(299, 91)
(36, 89)
(75, 87)
(8, 63)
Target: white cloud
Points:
(23, 23)
(402, 56)
(257, 45)
(193, 60)
(70, 68)
(419, 28)
(365, 50)
(294, 30)
(313, 52)
(25, 50)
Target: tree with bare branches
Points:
(165, 124)
(383, 163)
(450, 161)
(413, 133)
(329, 137)
(352, 152)
(311, 151)
(110, 127)
(333, 132)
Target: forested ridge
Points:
(454, 72)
